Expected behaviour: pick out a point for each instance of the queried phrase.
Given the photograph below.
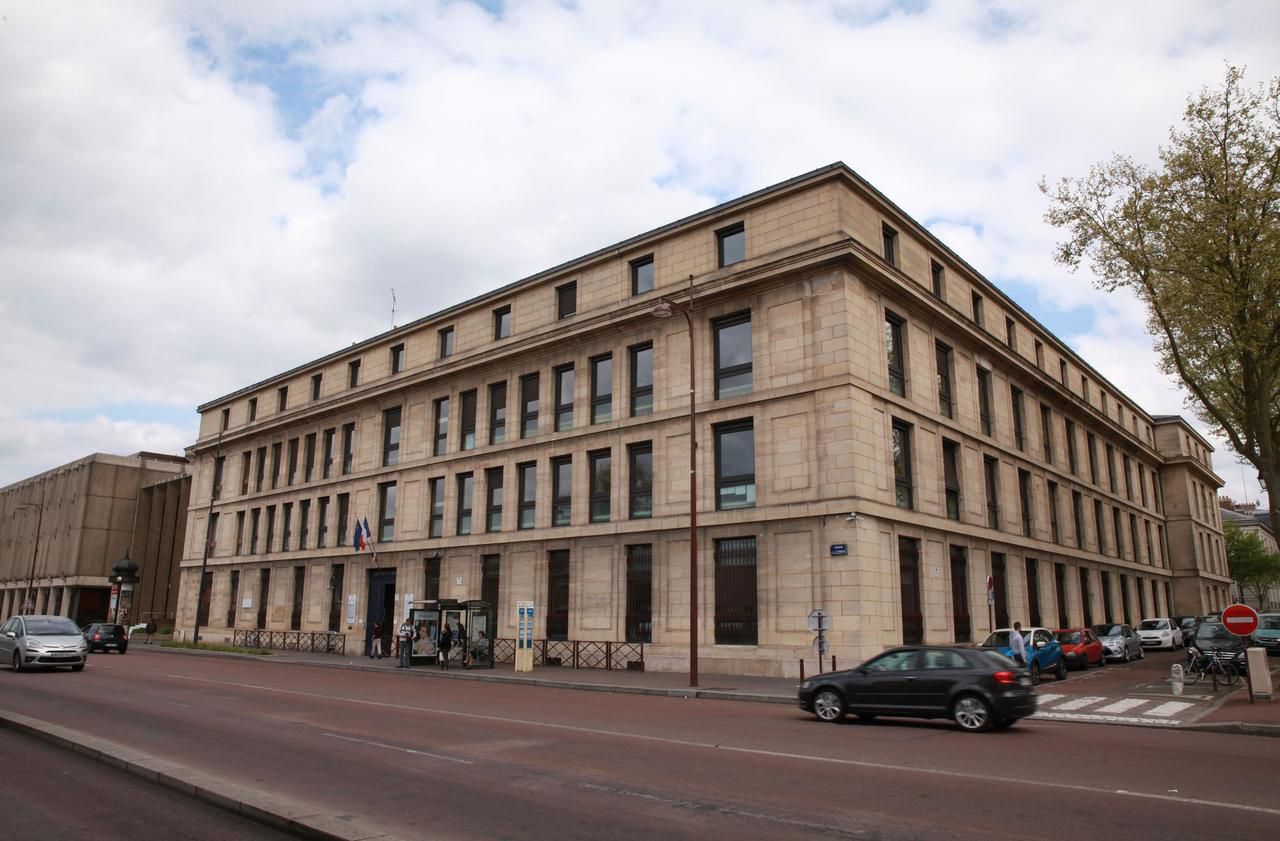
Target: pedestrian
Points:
(375, 646)
(446, 643)
(406, 643)
(151, 629)
(1018, 646)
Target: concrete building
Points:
(61, 532)
(159, 535)
(878, 429)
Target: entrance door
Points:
(381, 609)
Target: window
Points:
(977, 309)
(558, 594)
(735, 465)
(909, 588)
(1062, 371)
(497, 413)
(564, 397)
(893, 349)
(1019, 436)
(566, 299)
(431, 576)
(271, 529)
(304, 522)
(502, 322)
(641, 380)
(1039, 355)
(468, 430)
(1033, 590)
(276, 458)
(1118, 532)
(239, 532)
(561, 490)
(1077, 514)
(984, 400)
(397, 358)
(234, 596)
(327, 453)
(943, 356)
(935, 272)
(1072, 462)
(1142, 484)
(528, 405)
(246, 461)
(337, 576)
(490, 579)
(990, 472)
(253, 408)
(889, 238)
(600, 466)
(960, 593)
(1054, 532)
(642, 275)
(1024, 497)
(441, 440)
(309, 457)
(736, 593)
(731, 245)
(445, 335)
(317, 381)
(435, 521)
(951, 477)
(322, 523)
(291, 474)
(903, 491)
(299, 583)
(1084, 387)
(733, 355)
(1128, 478)
(493, 497)
(1091, 444)
(1001, 589)
(1046, 432)
(639, 619)
(282, 398)
(262, 469)
(353, 373)
(1111, 467)
(344, 512)
(1010, 334)
(386, 512)
(602, 389)
(254, 519)
(1099, 527)
(219, 463)
(1060, 593)
(640, 481)
(1133, 537)
(391, 437)
(527, 482)
(466, 487)
(348, 447)
(1105, 409)
(226, 419)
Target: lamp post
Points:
(30, 598)
(664, 309)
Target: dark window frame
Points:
(895, 353)
(353, 373)
(493, 507)
(900, 448)
(601, 403)
(562, 491)
(985, 419)
(445, 338)
(440, 421)
(641, 401)
(387, 497)
(937, 275)
(946, 390)
(566, 299)
(397, 358)
(391, 434)
(639, 494)
(889, 243)
(502, 322)
(435, 507)
(640, 276)
(317, 383)
(725, 482)
(725, 237)
(599, 502)
(527, 495)
(529, 416)
(498, 412)
(464, 504)
(726, 372)
(566, 379)
(951, 477)
(470, 401)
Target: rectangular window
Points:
(1091, 444)
(893, 349)
(344, 514)
(1099, 527)
(567, 299)
(467, 431)
(219, 464)
(276, 466)
(1133, 536)
(397, 358)
(253, 409)
(386, 512)
(736, 591)
(431, 582)
(304, 523)
(317, 381)
(337, 580)
(391, 437)
(1072, 461)
(226, 419)
(641, 380)
(639, 617)
(441, 436)
(233, 592)
(502, 322)
(1033, 590)
(269, 547)
(527, 484)
(600, 465)
(1040, 359)
(733, 355)
(889, 239)
(353, 373)
(1024, 497)
(558, 594)
(262, 469)
(254, 520)
(528, 405)
(1077, 514)
(239, 532)
(564, 397)
(903, 491)
(1128, 478)
(299, 583)
(435, 493)
(1010, 334)
(1019, 433)
(642, 275)
(1106, 410)
(731, 245)
(1142, 484)
(348, 447)
(327, 453)
(466, 487)
(1084, 388)
(602, 388)
(493, 499)
(561, 490)
(951, 477)
(960, 594)
(1117, 531)
(942, 354)
(1060, 594)
(1111, 468)
(909, 589)
(735, 465)
(322, 523)
(308, 457)
(999, 578)
(291, 473)
(246, 465)
(445, 343)
(1046, 432)
(1151, 549)
(936, 274)
(640, 481)
(490, 579)
(1062, 371)
(497, 413)
(984, 400)
(990, 472)
(282, 398)
(977, 309)
(1053, 513)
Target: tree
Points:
(1250, 563)
(1197, 238)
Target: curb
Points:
(288, 816)
(1238, 728)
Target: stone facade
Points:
(835, 467)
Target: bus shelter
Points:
(472, 623)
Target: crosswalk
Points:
(1153, 712)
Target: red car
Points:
(1081, 648)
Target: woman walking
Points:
(446, 643)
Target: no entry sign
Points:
(1240, 619)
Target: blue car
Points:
(1044, 652)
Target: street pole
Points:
(208, 539)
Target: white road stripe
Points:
(1167, 709)
(399, 748)
(1123, 705)
(1080, 703)
(1093, 718)
(1048, 697)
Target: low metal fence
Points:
(315, 642)
(577, 654)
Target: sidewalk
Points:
(1236, 715)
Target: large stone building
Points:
(63, 530)
(1250, 520)
(878, 429)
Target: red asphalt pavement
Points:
(445, 758)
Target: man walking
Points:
(375, 644)
(1017, 645)
(406, 643)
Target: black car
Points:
(1231, 648)
(977, 688)
(103, 636)
(1188, 625)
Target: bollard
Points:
(1175, 678)
(833, 663)
(802, 670)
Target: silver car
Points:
(1120, 642)
(29, 642)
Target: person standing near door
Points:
(375, 646)
(446, 643)
(406, 643)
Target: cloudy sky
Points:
(196, 196)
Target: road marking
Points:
(798, 757)
(1048, 697)
(1109, 719)
(1167, 709)
(1123, 705)
(1080, 703)
(399, 748)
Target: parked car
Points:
(976, 688)
(28, 642)
(103, 636)
(1044, 653)
(1211, 636)
(1160, 632)
(1188, 625)
(1121, 642)
(1081, 648)
(1268, 633)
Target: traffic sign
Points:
(819, 620)
(821, 645)
(1240, 619)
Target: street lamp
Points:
(665, 308)
(29, 603)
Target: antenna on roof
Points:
(393, 309)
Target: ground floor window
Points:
(640, 593)
(909, 578)
(490, 578)
(960, 593)
(736, 593)
(558, 595)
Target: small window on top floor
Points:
(890, 239)
(1084, 387)
(1039, 354)
(1062, 371)
(936, 271)
(226, 419)
(1010, 333)
(397, 358)
(566, 299)
(282, 398)
(446, 342)
(977, 309)
(642, 275)
(502, 322)
(353, 373)
(731, 244)
(732, 355)
(253, 408)
(317, 380)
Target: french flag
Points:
(366, 539)
(357, 538)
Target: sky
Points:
(196, 196)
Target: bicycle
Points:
(1218, 669)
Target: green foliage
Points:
(1249, 561)
(213, 646)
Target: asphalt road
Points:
(428, 758)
